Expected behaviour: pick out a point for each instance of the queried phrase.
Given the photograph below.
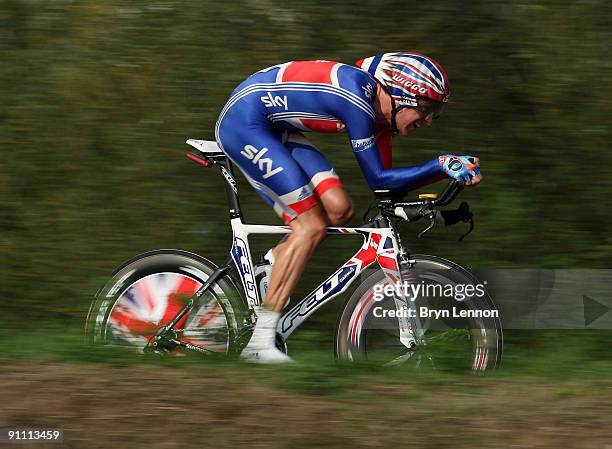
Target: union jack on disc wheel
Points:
(148, 292)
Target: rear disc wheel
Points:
(148, 292)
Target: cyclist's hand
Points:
(461, 168)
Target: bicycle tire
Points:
(353, 335)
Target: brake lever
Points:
(432, 222)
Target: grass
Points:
(549, 379)
(554, 356)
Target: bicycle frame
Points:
(380, 244)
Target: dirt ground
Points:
(101, 406)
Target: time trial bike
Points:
(406, 308)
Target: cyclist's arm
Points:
(358, 116)
(380, 175)
(400, 178)
(383, 139)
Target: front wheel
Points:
(456, 326)
(146, 293)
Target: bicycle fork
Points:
(410, 328)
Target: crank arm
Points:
(191, 347)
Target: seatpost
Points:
(230, 188)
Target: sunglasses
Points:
(428, 107)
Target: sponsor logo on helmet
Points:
(409, 85)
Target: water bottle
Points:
(263, 271)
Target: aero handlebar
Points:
(426, 208)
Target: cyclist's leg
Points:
(307, 230)
(267, 163)
(324, 181)
(337, 206)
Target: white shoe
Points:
(262, 348)
(265, 355)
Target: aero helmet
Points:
(408, 77)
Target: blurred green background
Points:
(97, 98)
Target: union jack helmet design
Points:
(408, 76)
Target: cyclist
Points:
(260, 129)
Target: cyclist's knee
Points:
(339, 209)
(338, 206)
(341, 215)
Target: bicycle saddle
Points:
(208, 147)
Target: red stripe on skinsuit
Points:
(309, 72)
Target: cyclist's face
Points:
(409, 119)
